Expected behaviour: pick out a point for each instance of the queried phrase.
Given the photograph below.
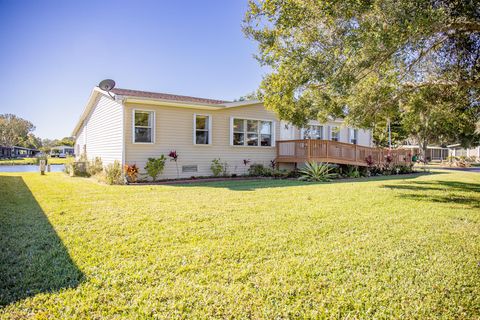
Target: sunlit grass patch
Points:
(401, 247)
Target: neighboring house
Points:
(131, 126)
(455, 150)
(62, 151)
(434, 153)
(17, 152)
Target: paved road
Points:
(471, 169)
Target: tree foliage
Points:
(14, 130)
(31, 141)
(362, 60)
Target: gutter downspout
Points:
(121, 100)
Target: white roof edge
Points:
(241, 103)
(454, 145)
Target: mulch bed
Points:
(187, 181)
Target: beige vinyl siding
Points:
(364, 136)
(174, 131)
(102, 132)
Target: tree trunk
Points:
(423, 143)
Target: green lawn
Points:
(403, 247)
(7, 162)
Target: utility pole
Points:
(389, 135)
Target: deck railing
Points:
(299, 151)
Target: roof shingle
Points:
(164, 96)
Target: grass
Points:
(402, 247)
(29, 161)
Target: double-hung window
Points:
(353, 136)
(202, 129)
(247, 132)
(143, 122)
(313, 132)
(334, 133)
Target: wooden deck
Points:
(300, 151)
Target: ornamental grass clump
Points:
(113, 173)
(95, 166)
(319, 172)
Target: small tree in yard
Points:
(14, 130)
(155, 166)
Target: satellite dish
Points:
(106, 85)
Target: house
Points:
(456, 150)
(62, 151)
(131, 126)
(434, 153)
(17, 152)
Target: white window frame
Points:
(350, 130)
(304, 130)
(210, 128)
(337, 129)
(273, 140)
(153, 125)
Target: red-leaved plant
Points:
(388, 158)
(369, 160)
(132, 172)
(174, 157)
(273, 164)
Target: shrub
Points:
(113, 173)
(155, 166)
(76, 168)
(375, 170)
(257, 170)
(225, 169)
(369, 161)
(216, 167)
(132, 172)
(352, 172)
(283, 174)
(316, 172)
(403, 169)
(95, 166)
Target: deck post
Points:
(308, 149)
(278, 149)
(326, 147)
(355, 150)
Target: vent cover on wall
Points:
(191, 168)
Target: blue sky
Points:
(52, 53)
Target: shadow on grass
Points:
(252, 185)
(33, 259)
(441, 192)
